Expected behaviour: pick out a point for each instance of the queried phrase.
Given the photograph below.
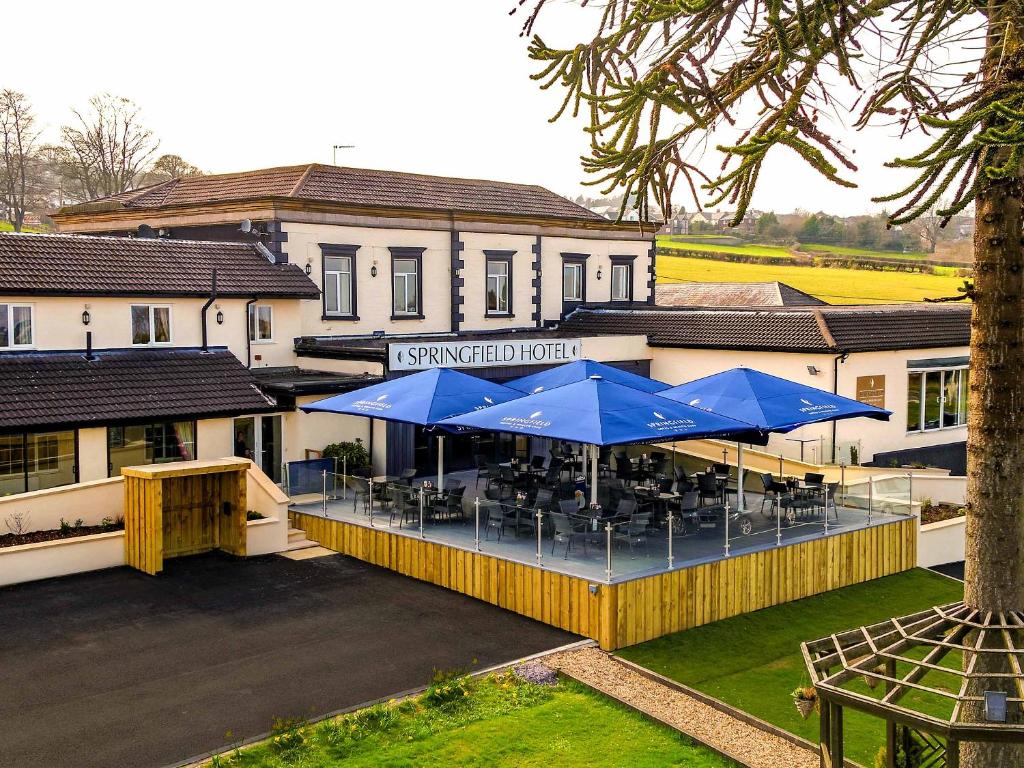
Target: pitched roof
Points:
(827, 329)
(63, 389)
(354, 187)
(120, 266)
(773, 294)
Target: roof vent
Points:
(266, 252)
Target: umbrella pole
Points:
(440, 462)
(740, 506)
(593, 474)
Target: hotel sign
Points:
(481, 354)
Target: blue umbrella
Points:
(600, 412)
(768, 402)
(581, 370)
(423, 398)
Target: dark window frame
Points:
(505, 256)
(146, 423)
(628, 263)
(338, 249)
(25, 454)
(416, 254)
(574, 258)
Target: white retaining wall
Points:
(941, 542)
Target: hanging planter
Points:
(805, 699)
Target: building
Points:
(402, 260)
(772, 294)
(909, 358)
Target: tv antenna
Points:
(341, 146)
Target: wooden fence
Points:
(632, 611)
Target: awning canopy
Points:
(600, 412)
(580, 370)
(769, 403)
(423, 398)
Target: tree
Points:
(167, 167)
(105, 150)
(660, 78)
(19, 165)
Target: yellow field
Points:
(836, 286)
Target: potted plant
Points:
(352, 455)
(805, 697)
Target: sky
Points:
(439, 87)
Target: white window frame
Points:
(626, 280)
(254, 326)
(577, 268)
(152, 325)
(334, 275)
(11, 306)
(405, 277)
(502, 287)
(961, 416)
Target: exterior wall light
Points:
(220, 317)
(813, 370)
(373, 269)
(86, 317)
(309, 268)
(599, 273)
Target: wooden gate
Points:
(183, 508)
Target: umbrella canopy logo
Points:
(533, 421)
(662, 424)
(378, 404)
(809, 407)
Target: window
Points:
(36, 460)
(572, 281)
(406, 282)
(499, 282)
(936, 399)
(339, 280)
(151, 324)
(15, 325)
(261, 322)
(157, 443)
(622, 278)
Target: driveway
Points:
(116, 668)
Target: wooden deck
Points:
(634, 610)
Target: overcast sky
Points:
(438, 86)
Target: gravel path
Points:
(749, 745)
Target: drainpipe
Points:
(206, 306)
(88, 346)
(248, 340)
(841, 358)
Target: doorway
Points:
(259, 438)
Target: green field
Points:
(751, 249)
(862, 253)
(834, 285)
(501, 723)
(753, 661)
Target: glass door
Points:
(258, 438)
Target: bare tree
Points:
(105, 150)
(18, 163)
(658, 79)
(167, 167)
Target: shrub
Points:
(354, 452)
(64, 528)
(287, 737)
(18, 523)
(252, 514)
(446, 687)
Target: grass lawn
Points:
(753, 661)
(866, 253)
(836, 286)
(749, 249)
(503, 721)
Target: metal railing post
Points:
(910, 493)
(369, 499)
(344, 478)
(780, 465)
(671, 560)
(778, 520)
(421, 512)
(540, 531)
(871, 495)
(727, 511)
(608, 544)
(842, 481)
(826, 509)
(324, 473)
(476, 514)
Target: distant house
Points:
(774, 294)
(683, 223)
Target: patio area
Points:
(628, 538)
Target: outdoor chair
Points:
(624, 471)
(683, 482)
(495, 521)
(568, 507)
(626, 507)
(542, 500)
(566, 532)
(481, 468)
(450, 484)
(537, 463)
(707, 488)
(829, 501)
(633, 533)
(604, 463)
(493, 476)
(722, 469)
(360, 492)
(813, 478)
(551, 478)
(407, 476)
(686, 507)
(406, 508)
(774, 491)
(665, 485)
(507, 479)
(450, 506)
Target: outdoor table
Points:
(520, 513)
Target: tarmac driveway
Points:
(116, 668)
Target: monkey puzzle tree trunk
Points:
(995, 442)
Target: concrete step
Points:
(296, 534)
(300, 544)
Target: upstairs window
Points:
(622, 281)
(339, 280)
(499, 283)
(406, 283)
(261, 322)
(15, 326)
(572, 281)
(151, 324)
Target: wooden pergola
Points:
(950, 673)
